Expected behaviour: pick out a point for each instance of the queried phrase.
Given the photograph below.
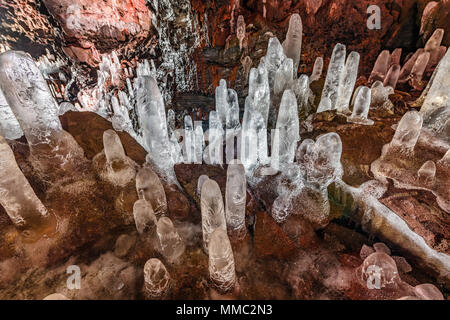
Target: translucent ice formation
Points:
(200, 182)
(439, 91)
(199, 144)
(120, 170)
(292, 46)
(34, 107)
(213, 214)
(379, 271)
(427, 172)
(391, 78)
(16, 195)
(235, 197)
(347, 83)
(172, 246)
(334, 75)
(428, 291)
(189, 140)
(271, 62)
(227, 106)
(433, 46)
(396, 57)
(408, 66)
(259, 92)
(381, 66)
(9, 126)
(287, 132)
(324, 105)
(175, 147)
(152, 118)
(150, 188)
(419, 69)
(303, 93)
(283, 77)
(317, 69)
(408, 131)
(380, 96)
(321, 161)
(156, 279)
(144, 217)
(221, 261)
(28, 95)
(215, 134)
(361, 107)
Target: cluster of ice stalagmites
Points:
(29, 97)
(118, 169)
(415, 160)
(388, 67)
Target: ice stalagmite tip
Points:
(347, 82)
(408, 131)
(213, 213)
(119, 169)
(292, 46)
(334, 74)
(361, 107)
(221, 261)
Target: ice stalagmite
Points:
(259, 92)
(175, 147)
(286, 133)
(227, 106)
(380, 95)
(199, 144)
(317, 70)
(391, 78)
(150, 188)
(419, 69)
(439, 91)
(9, 126)
(221, 261)
(396, 57)
(144, 217)
(215, 147)
(34, 107)
(213, 214)
(119, 169)
(361, 107)
(408, 132)
(171, 244)
(433, 46)
(283, 77)
(152, 118)
(16, 195)
(347, 82)
(189, 140)
(156, 279)
(240, 30)
(303, 93)
(272, 60)
(121, 119)
(334, 75)
(235, 198)
(292, 46)
(381, 66)
(408, 66)
(427, 172)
